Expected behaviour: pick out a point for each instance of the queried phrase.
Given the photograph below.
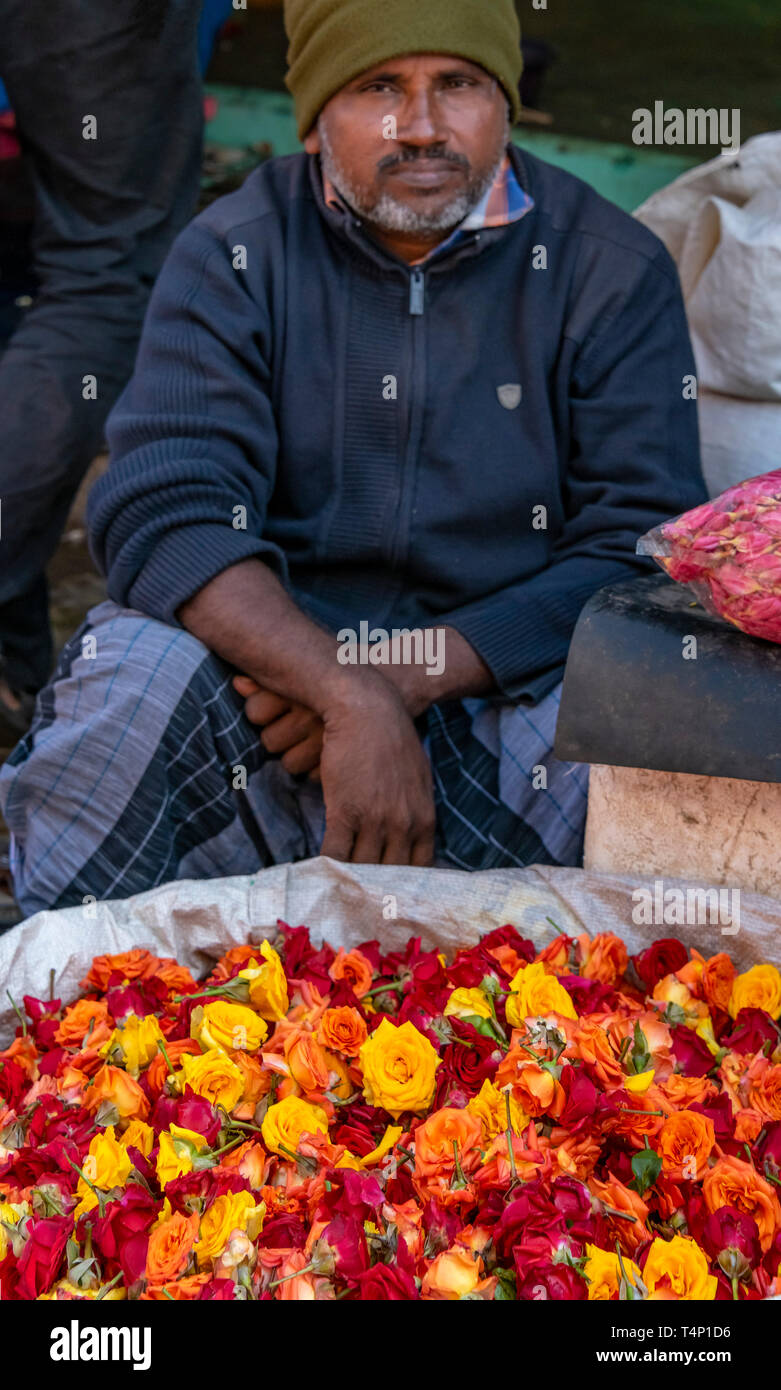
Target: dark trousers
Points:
(106, 211)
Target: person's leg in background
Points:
(108, 108)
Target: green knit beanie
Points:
(334, 41)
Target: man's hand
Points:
(377, 786)
(291, 731)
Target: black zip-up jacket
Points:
(304, 396)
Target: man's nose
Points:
(421, 122)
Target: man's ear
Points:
(312, 141)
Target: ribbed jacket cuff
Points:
(187, 558)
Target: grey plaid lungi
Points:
(127, 776)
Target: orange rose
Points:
(681, 1091)
(353, 967)
(225, 968)
(438, 1138)
(555, 956)
(685, 1144)
(630, 1235)
(157, 1071)
(748, 1124)
(342, 1030)
(640, 1119)
(733, 1183)
(257, 1078)
(576, 1154)
(308, 1063)
(764, 1089)
(115, 1087)
(718, 977)
(454, 1274)
(86, 1015)
(175, 977)
(606, 959)
(535, 1088)
(591, 1043)
(129, 965)
(507, 959)
(170, 1246)
(179, 1290)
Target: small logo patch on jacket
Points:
(509, 395)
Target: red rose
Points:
(557, 1281)
(347, 1242)
(663, 958)
(40, 1261)
(750, 1031)
(13, 1082)
(121, 1236)
(302, 961)
(582, 1096)
(387, 1283)
(719, 1111)
(283, 1232)
(222, 1289)
(731, 1238)
(691, 1053)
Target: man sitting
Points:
(410, 379)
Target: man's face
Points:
(448, 133)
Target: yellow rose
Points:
(758, 988)
(399, 1069)
(639, 1084)
(178, 1147)
(490, 1108)
(10, 1214)
(69, 1290)
(464, 1003)
(107, 1164)
(215, 1077)
(534, 994)
(603, 1272)
(137, 1040)
(229, 1212)
(229, 1027)
(285, 1122)
(138, 1135)
(678, 1268)
(267, 984)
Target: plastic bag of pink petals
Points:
(728, 551)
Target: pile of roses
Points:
(312, 1124)
(729, 552)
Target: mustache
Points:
(412, 155)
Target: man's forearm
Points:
(247, 618)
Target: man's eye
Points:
(459, 82)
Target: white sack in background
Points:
(721, 222)
(196, 922)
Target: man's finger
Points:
(423, 852)
(337, 841)
(369, 845)
(303, 757)
(264, 707)
(246, 686)
(293, 728)
(397, 850)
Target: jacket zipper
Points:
(417, 309)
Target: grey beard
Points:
(388, 214)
